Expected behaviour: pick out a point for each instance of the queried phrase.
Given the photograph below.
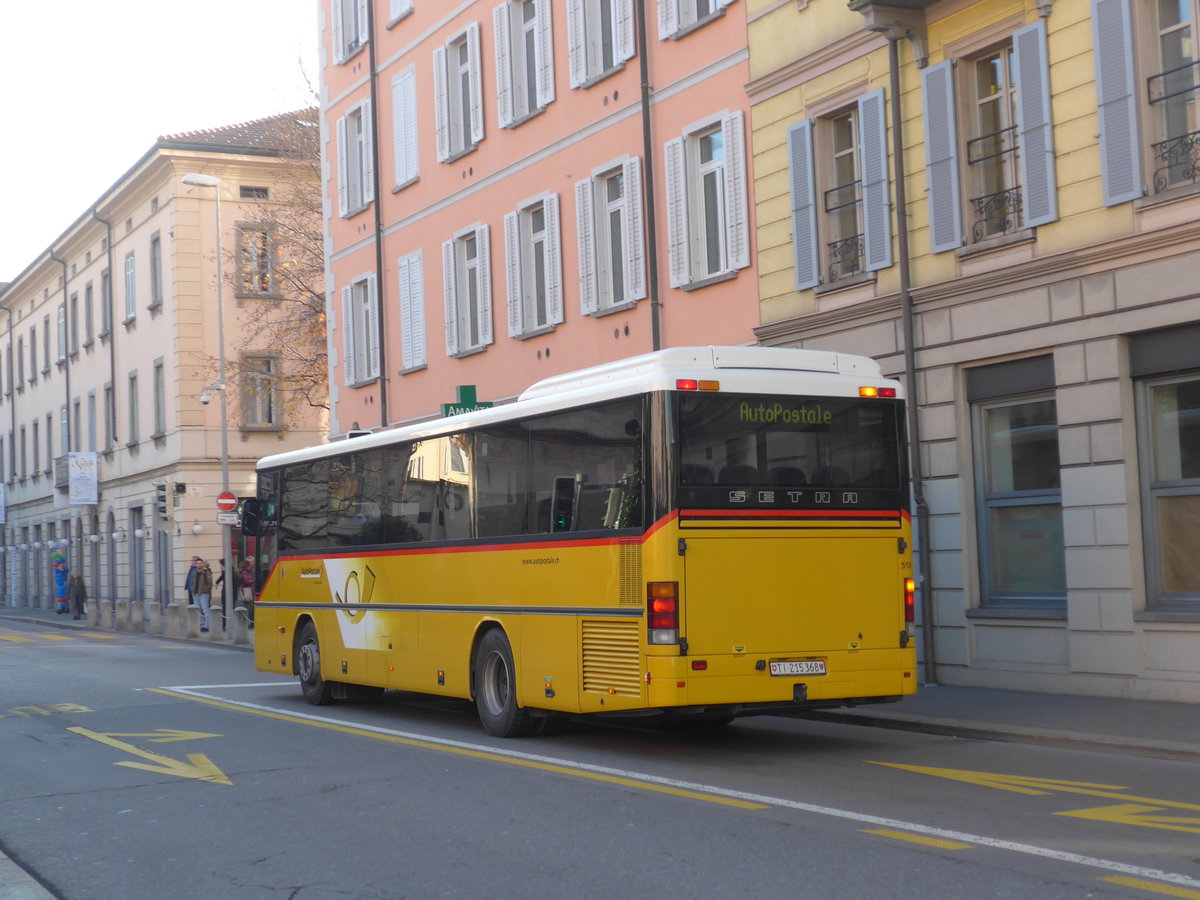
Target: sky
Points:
(87, 87)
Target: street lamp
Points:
(195, 179)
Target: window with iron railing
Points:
(1171, 93)
(993, 154)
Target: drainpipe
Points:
(910, 363)
(373, 81)
(648, 175)
(110, 423)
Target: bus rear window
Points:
(773, 443)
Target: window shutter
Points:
(364, 22)
(677, 230)
(624, 28)
(545, 52)
(585, 223)
(343, 168)
(806, 259)
(399, 8)
(877, 207)
(416, 285)
(339, 35)
(404, 114)
(737, 219)
(483, 241)
(723, 3)
(474, 66)
(1116, 98)
(554, 291)
(348, 333)
(668, 18)
(372, 328)
(576, 49)
(366, 148)
(941, 158)
(450, 295)
(512, 269)
(503, 38)
(404, 274)
(635, 240)
(1035, 130)
(441, 105)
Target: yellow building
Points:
(1041, 284)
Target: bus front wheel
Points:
(496, 688)
(316, 689)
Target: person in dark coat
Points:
(76, 594)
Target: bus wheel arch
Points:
(494, 686)
(316, 689)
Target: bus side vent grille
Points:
(631, 572)
(611, 658)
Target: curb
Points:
(65, 626)
(17, 884)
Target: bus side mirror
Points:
(251, 514)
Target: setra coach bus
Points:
(697, 533)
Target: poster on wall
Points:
(82, 477)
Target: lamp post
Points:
(195, 179)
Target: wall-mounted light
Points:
(139, 533)
(94, 538)
(37, 545)
(197, 528)
(24, 546)
(118, 535)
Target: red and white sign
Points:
(227, 501)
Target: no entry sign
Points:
(227, 501)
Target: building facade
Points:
(506, 201)
(112, 441)
(1001, 199)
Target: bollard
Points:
(137, 621)
(240, 626)
(192, 621)
(154, 617)
(174, 625)
(92, 608)
(120, 615)
(106, 614)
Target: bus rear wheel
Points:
(496, 688)
(316, 689)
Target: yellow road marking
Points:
(918, 839)
(103, 637)
(1136, 814)
(16, 640)
(198, 765)
(476, 754)
(1169, 889)
(56, 637)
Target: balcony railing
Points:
(845, 257)
(995, 214)
(846, 254)
(1177, 160)
(1177, 82)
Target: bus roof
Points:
(742, 369)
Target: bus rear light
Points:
(910, 602)
(662, 612)
(692, 384)
(869, 391)
(699, 665)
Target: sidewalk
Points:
(1133, 727)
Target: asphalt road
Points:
(135, 767)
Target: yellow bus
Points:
(697, 533)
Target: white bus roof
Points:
(739, 369)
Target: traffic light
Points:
(164, 500)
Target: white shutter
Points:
(404, 125)
(364, 22)
(348, 334)
(416, 285)
(474, 67)
(441, 105)
(403, 272)
(450, 295)
(723, 3)
(398, 8)
(1117, 101)
(501, 24)
(366, 149)
(576, 45)
(585, 224)
(633, 230)
(339, 36)
(343, 169)
(737, 216)
(372, 328)
(512, 271)
(876, 201)
(679, 262)
(668, 18)
(806, 259)
(624, 31)
(554, 292)
(941, 158)
(545, 54)
(1035, 128)
(483, 242)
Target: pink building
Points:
(505, 202)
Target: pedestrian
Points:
(58, 562)
(76, 593)
(187, 582)
(246, 582)
(219, 590)
(202, 584)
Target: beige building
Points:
(1042, 281)
(111, 434)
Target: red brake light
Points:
(910, 602)
(687, 384)
(887, 392)
(662, 612)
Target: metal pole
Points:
(227, 581)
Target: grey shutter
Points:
(450, 296)
(512, 271)
(805, 252)
(1035, 128)
(339, 36)
(503, 38)
(576, 46)
(366, 152)
(624, 31)
(404, 267)
(554, 282)
(633, 230)
(474, 73)
(372, 328)
(416, 306)
(737, 215)
(483, 242)
(348, 334)
(585, 223)
(441, 105)
(941, 158)
(343, 169)
(668, 18)
(545, 54)
(364, 25)
(876, 198)
(1116, 99)
(679, 259)
(404, 125)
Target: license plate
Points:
(798, 667)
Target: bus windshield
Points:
(763, 445)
